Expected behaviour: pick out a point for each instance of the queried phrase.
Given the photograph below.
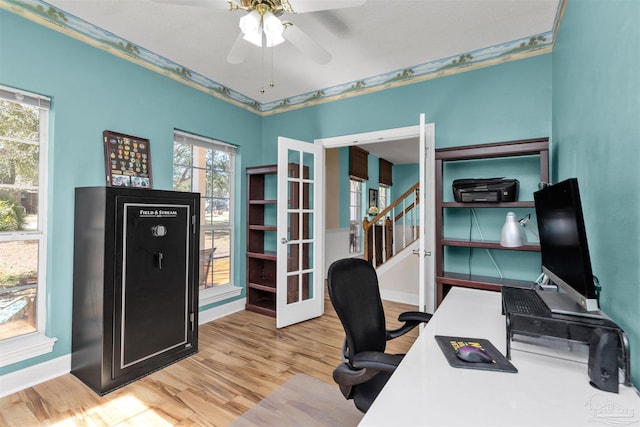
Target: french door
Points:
(300, 281)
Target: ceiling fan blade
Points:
(302, 6)
(239, 51)
(306, 44)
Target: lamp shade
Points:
(273, 29)
(512, 233)
(251, 27)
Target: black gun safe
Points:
(135, 283)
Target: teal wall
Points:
(500, 103)
(94, 91)
(404, 176)
(596, 127)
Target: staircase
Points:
(394, 230)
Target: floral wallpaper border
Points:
(45, 14)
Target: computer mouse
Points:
(472, 354)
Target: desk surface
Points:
(546, 391)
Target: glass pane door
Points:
(300, 285)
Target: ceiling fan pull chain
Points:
(272, 84)
(262, 49)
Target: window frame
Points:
(217, 293)
(37, 343)
(384, 196)
(356, 222)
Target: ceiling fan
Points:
(262, 24)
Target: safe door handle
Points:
(159, 259)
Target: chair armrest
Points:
(366, 365)
(418, 316)
(411, 319)
(347, 377)
(377, 360)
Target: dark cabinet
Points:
(261, 237)
(135, 283)
(261, 240)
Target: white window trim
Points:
(219, 293)
(24, 347)
(385, 190)
(223, 292)
(360, 250)
(27, 346)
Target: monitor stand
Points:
(561, 303)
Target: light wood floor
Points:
(242, 358)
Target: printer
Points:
(494, 190)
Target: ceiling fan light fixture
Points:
(254, 38)
(250, 27)
(253, 24)
(273, 29)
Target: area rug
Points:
(302, 401)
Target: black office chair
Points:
(365, 367)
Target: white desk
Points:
(426, 391)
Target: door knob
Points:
(284, 241)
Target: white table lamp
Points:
(513, 234)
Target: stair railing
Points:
(379, 232)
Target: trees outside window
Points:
(207, 166)
(23, 148)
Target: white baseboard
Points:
(401, 297)
(212, 314)
(45, 371)
(33, 375)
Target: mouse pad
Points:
(449, 345)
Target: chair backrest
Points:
(354, 293)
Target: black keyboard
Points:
(524, 301)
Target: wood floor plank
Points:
(242, 358)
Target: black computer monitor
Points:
(564, 249)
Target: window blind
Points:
(189, 138)
(385, 172)
(358, 163)
(16, 95)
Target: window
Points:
(355, 216)
(383, 196)
(207, 167)
(23, 194)
(386, 181)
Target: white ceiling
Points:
(378, 37)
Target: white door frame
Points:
(387, 135)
